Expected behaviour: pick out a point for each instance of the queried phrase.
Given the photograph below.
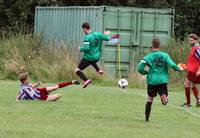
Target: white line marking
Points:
(171, 105)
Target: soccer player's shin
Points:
(64, 84)
(147, 110)
(187, 94)
(81, 75)
(196, 93)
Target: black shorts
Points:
(161, 89)
(85, 63)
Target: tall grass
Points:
(57, 61)
(21, 53)
(178, 51)
(48, 63)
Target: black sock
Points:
(148, 110)
(81, 75)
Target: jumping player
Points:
(28, 91)
(91, 51)
(157, 74)
(193, 69)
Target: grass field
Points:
(95, 112)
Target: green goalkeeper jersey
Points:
(157, 63)
(92, 45)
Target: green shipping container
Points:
(136, 26)
(64, 23)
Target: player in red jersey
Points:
(193, 70)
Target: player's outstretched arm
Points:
(36, 84)
(171, 63)
(105, 36)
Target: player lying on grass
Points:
(193, 71)
(157, 74)
(91, 51)
(28, 91)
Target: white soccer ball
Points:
(122, 83)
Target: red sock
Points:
(196, 93)
(187, 94)
(63, 84)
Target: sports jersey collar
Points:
(155, 50)
(22, 84)
(89, 33)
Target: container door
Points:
(137, 27)
(125, 23)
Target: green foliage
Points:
(21, 53)
(187, 18)
(56, 62)
(48, 63)
(178, 51)
(14, 13)
(19, 50)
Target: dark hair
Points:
(23, 77)
(86, 25)
(193, 36)
(156, 42)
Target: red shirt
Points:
(193, 63)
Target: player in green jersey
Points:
(155, 66)
(91, 51)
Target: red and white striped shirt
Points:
(28, 92)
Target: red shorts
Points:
(43, 93)
(192, 77)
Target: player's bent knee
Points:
(150, 99)
(54, 97)
(187, 83)
(193, 85)
(52, 88)
(77, 69)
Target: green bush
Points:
(178, 51)
(48, 63)
(21, 53)
(56, 61)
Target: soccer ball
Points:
(122, 83)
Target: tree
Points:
(16, 12)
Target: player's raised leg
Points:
(44, 92)
(97, 68)
(49, 89)
(164, 99)
(79, 72)
(163, 92)
(53, 97)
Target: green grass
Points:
(95, 112)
